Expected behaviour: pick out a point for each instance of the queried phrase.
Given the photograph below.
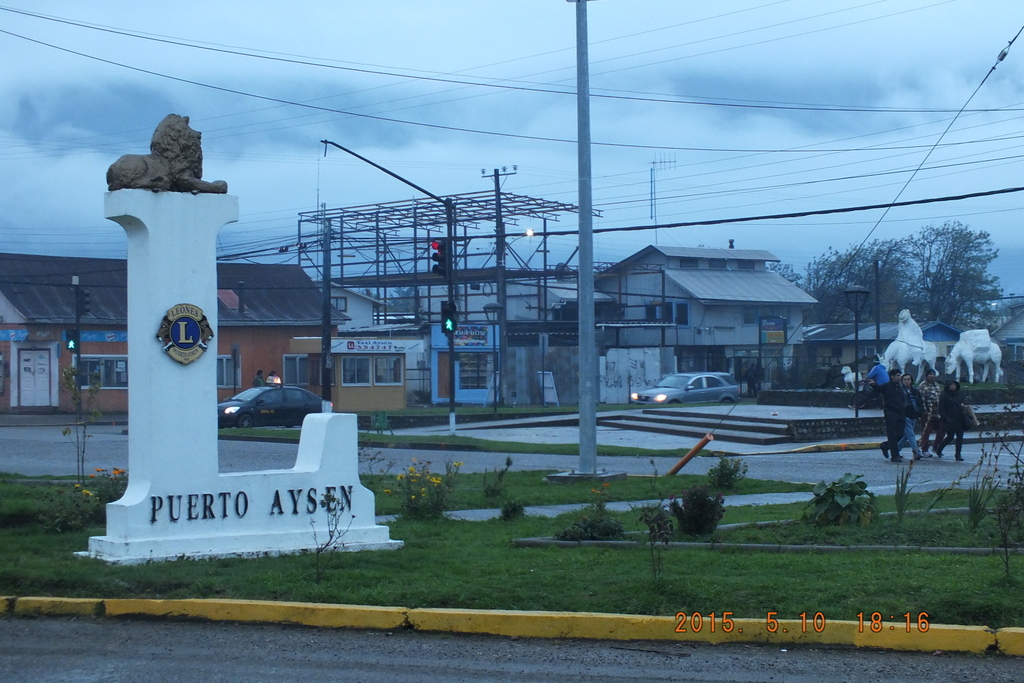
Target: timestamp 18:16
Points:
(875, 621)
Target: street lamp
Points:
(493, 312)
(856, 295)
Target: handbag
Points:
(971, 417)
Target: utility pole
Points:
(326, 364)
(585, 279)
(501, 288)
(78, 349)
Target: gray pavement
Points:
(37, 447)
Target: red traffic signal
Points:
(439, 255)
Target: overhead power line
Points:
(798, 214)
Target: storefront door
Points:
(33, 377)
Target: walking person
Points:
(258, 380)
(915, 407)
(753, 377)
(930, 420)
(894, 410)
(954, 419)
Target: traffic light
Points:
(71, 339)
(84, 301)
(439, 255)
(449, 317)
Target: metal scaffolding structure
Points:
(383, 249)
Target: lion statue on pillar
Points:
(175, 163)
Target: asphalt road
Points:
(52, 650)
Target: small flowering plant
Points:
(423, 493)
(74, 509)
(108, 485)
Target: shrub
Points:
(496, 488)
(70, 509)
(659, 530)
(512, 510)
(727, 474)
(845, 501)
(594, 522)
(697, 511)
(78, 507)
(424, 494)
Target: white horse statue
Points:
(909, 347)
(975, 347)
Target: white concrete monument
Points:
(909, 347)
(177, 503)
(975, 347)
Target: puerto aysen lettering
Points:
(189, 507)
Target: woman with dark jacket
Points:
(894, 410)
(951, 410)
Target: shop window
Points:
(226, 372)
(682, 313)
(355, 370)
(112, 371)
(474, 370)
(296, 370)
(387, 370)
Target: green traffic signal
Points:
(449, 320)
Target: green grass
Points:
(447, 563)
(473, 565)
(530, 488)
(20, 503)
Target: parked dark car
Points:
(269, 405)
(691, 387)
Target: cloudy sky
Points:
(740, 108)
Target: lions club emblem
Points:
(185, 333)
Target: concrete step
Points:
(698, 432)
(726, 416)
(709, 422)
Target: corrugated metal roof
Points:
(39, 287)
(712, 253)
(843, 332)
(754, 286)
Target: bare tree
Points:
(953, 283)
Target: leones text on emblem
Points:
(185, 333)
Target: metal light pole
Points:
(585, 280)
(856, 295)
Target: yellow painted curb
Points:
(543, 624)
(305, 613)
(947, 638)
(1011, 641)
(56, 606)
(705, 628)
